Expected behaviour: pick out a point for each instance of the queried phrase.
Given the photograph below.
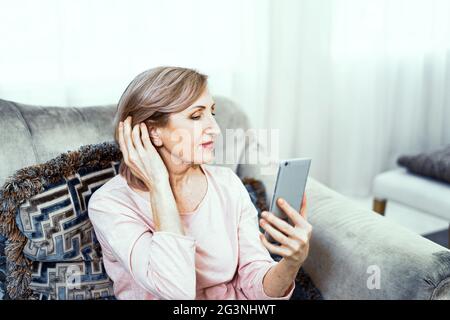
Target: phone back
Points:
(290, 185)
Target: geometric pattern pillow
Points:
(61, 241)
(51, 250)
(56, 221)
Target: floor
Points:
(420, 222)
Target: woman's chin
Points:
(205, 158)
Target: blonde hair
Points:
(151, 97)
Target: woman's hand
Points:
(294, 240)
(140, 155)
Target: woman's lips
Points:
(208, 145)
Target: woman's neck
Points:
(180, 173)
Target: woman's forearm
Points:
(165, 211)
(279, 279)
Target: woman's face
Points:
(190, 134)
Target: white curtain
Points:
(351, 83)
(356, 83)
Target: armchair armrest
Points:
(358, 254)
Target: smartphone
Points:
(290, 185)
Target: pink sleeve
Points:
(163, 263)
(254, 259)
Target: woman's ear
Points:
(155, 136)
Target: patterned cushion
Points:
(61, 241)
(70, 280)
(51, 248)
(56, 221)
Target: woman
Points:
(170, 225)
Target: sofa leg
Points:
(379, 206)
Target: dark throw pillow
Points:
(434, 164)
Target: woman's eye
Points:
(198, 117)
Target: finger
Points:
(295, 216)
(127, 135)
(146, 137)
(133, 156)
(277, 235)
(273, 248)
(136, 136)
(280, 224)
(122, 144)
(303, 211)
(302, 233)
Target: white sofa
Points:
(412, 190)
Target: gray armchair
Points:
(354, 254)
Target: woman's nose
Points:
(213, 128)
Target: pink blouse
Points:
(220, 257)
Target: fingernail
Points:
(264, 214)
(280, 201)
